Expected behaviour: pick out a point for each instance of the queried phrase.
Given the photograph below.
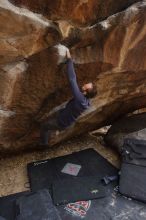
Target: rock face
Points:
(127, 127)
(80, 12)
(107, 48)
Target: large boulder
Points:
(126, 127)
(33, 84)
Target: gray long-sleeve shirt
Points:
(77, 105)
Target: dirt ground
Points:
(13, 172)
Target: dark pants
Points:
(47, 129)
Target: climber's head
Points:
(89, 90)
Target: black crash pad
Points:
(112, 207)
(28, 205)
(77, 189)
(1, 218)
(7, 205)
(36, 206)
(43, 173)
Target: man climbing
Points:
(73, 109)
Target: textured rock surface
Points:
(23, 33)
(128, 127)
(80, 12)
(111, 52)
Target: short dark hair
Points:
(91, 93)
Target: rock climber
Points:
(73, 109)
